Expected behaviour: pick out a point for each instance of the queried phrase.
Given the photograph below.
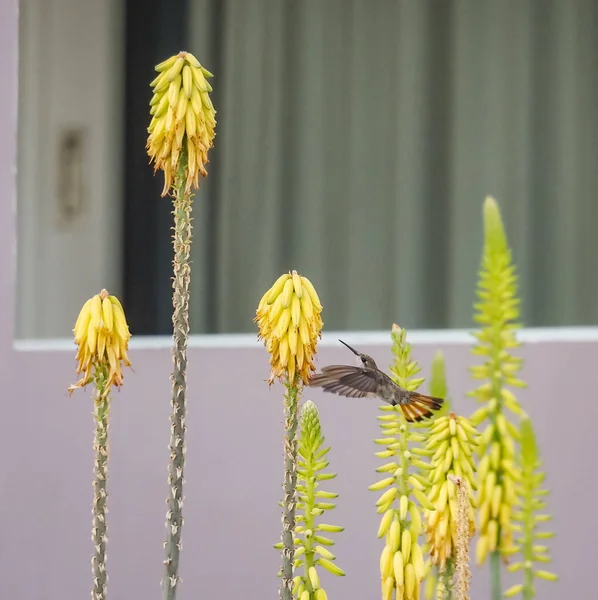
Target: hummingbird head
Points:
(364, 360)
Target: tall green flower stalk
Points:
(181, 132)
(290, 325)
(402, 565)
(530, 542)
(102, 337)
(312, 547)
(497, 311)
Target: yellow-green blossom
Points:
(497, 310)
(183, 120)
(102, 336)
(402, 566)
(290, 324)
(531, 542)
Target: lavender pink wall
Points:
(234, 451)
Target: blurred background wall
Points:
(356, 142)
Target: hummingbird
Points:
(368, 381)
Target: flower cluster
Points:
(402, 566)
(290, 324)
(183, 119)
(452, 440)
(497, 310)
(102, 335)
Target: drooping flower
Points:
(183, 120)
(290, 324)
(102, 336)
(453, 441)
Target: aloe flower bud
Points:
(290, 324)
(102, 337)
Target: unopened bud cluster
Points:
(497, 310)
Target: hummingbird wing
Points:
(359, 382)
(344, 380)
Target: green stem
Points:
(100, 510)
(528, 584)
(180, 320)
(403, 460)
(446, 581)
(309, 521)
(291, 409)
(528, 534)
(497, 385)
(495, 559)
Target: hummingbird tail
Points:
(420, 407)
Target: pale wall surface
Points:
(234, 452)
(234, 470)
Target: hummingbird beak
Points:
(352, 349)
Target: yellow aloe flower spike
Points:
(290, 324)
(102, 336)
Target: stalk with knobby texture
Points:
(463, 533)
(290, 324)
(100, 472)
(180, 134)
(531, 501)
(497, 312)
(102, 337)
